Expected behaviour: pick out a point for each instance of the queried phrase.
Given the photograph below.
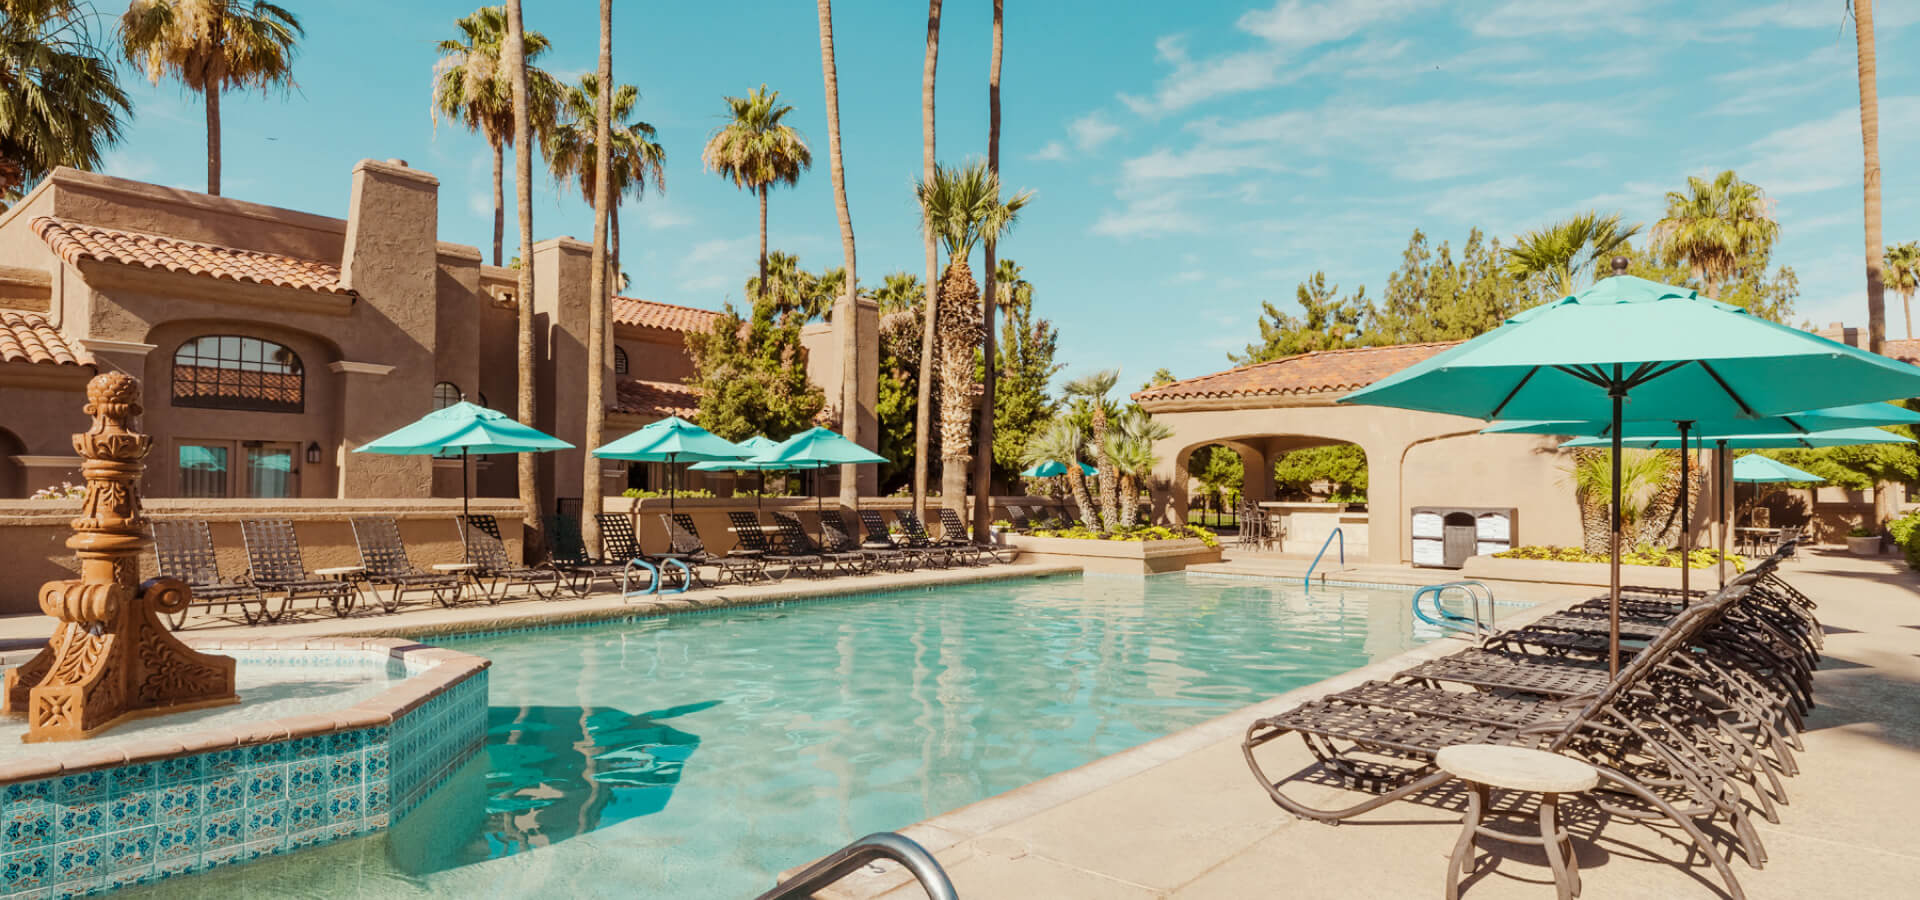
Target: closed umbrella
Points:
(468, 428)
(1674, 355)
(670, 440)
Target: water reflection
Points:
(548, 773)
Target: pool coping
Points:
(947, 831)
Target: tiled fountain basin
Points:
(332, 738)
(1117, 557)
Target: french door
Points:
(217, 468)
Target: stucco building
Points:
(272, 342)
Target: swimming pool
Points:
(695, 756)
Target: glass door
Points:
(270, 471)
(237, 469)
(203, 469)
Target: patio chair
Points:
(917, 536)
(684, 539)
(622, 546)
(384, 557)
(494, 572)
(879, 536)
(838, 536)
(183, 548)
(753, 537)
(954, 530)
(849, 563)
(1018, 518)
(274, 564)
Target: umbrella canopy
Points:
(1053, 467)
(1856, 415)
(670, 440)
(1838, 437)
(1754, 468)
(467, 428)
(1675, 356)
(819, 445)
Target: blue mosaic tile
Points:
(305, 777)
(174, 842)
(26, 827)
(81, 860)
(222, 829)
(266, 787)
(27, 793)
(177, 865)
(181, 768)
(343, 804)
(81, 786)
(266, 822)
(268, 754)
(132, 849)
(131, 810)
(176, 801)
(25, 869)
(131, 778)
(222, 793)
(377, 797)
(79, 820)
(345, 770)
(342, 742)
(306, 813)
(226, 762)
(257, 849)
(313, 747)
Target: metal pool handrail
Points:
(846, 860)
(1447, 619)
(1307, 580)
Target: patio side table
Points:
(1519, 769)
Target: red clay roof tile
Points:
(656, 398)
(29, 337)
(650, 314)
(74, 242)
(1307, 373)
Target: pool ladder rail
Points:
(1451, 621)
(847, 860)
(1306, 581)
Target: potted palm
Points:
(1862, 542)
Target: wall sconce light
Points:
(313, 452)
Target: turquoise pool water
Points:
(696, 756)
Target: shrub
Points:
(1639, 556)
(1133, 533)
(1906, 533)
(639, 493)
(65, 490)
(1860, 531)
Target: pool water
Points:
(696, 756)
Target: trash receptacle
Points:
(1460, 538)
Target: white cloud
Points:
(1294, 23)
(1530, 18)
(1051, 150)
(1823, 154)
(1148, 214)
(715, 265)
(1835, 16)
(1091, 130)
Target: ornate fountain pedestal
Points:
(110, 658)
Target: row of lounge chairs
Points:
(277, 580)
(1699, 728)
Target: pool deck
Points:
(1181, 817)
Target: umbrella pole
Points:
(465, 516)
(1686, 538)
(1726, 506)
(1613, 591)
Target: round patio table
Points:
(1516, 769)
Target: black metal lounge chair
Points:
(684, 538)
(794, 535)
(962, 551)
(753, 538)
(952, 530)
(275, 565)
(836, 534)
(383, 555)
(879, 536)
(1018, 518)
(622, 547)
(184, 550)
(493, 572)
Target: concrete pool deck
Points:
(1181, 817)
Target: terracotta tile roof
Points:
(649, 314)
(28, 337)
(656, 398)
(1307, 373)
(74, 242)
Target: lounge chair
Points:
(275, 565)
(954, 530)
(622, 546)
(878, 535)
(383, 556)
(184, 550)
(684, 538)
(753, 539)
(917, 536)
(836, 534)
(493, 571)
(794, 535)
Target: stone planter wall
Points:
(1491, 568)
(1116, 557)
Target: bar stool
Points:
(1486, 766)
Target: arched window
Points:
(229, 371)
(619, 361)
(445, 394)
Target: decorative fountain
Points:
(110, 659)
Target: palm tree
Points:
(923, 412)
(1062, 441)
(1903, 275)
(1714, 226)
(1562, 255)
(60, 104)
(598, 356)
(1870, 182)
(756, 151)
(637, 157)
(847, 324)
(473, 85)
(899, 292)
(211, 45)
(1133, 456)
(532, 507)
(1093, 389)
(1644, 474)
(983, 462)
(1010, 286)
(961, 207)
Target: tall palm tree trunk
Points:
(923, 411)
(983, 445)
(533, 528)
(213, 138)
(1109, 497)
(847, 319)
(597, 284)
(958, 294)
(1870, 141)
(499, 200)
(763, 242)
(1077, 486)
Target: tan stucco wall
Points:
(655, 354)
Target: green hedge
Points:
(1643, 556)
(1136, 533)
(1906, 533)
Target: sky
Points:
(1189, 161)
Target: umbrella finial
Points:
(1619, 265)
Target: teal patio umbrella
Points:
(753, 446)
(1674, 355)
(468, 428)
(1817, 420)
(671, 440)
(819, 448)
(1054, 468)
(1757, 469)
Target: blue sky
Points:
(1187, 166)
